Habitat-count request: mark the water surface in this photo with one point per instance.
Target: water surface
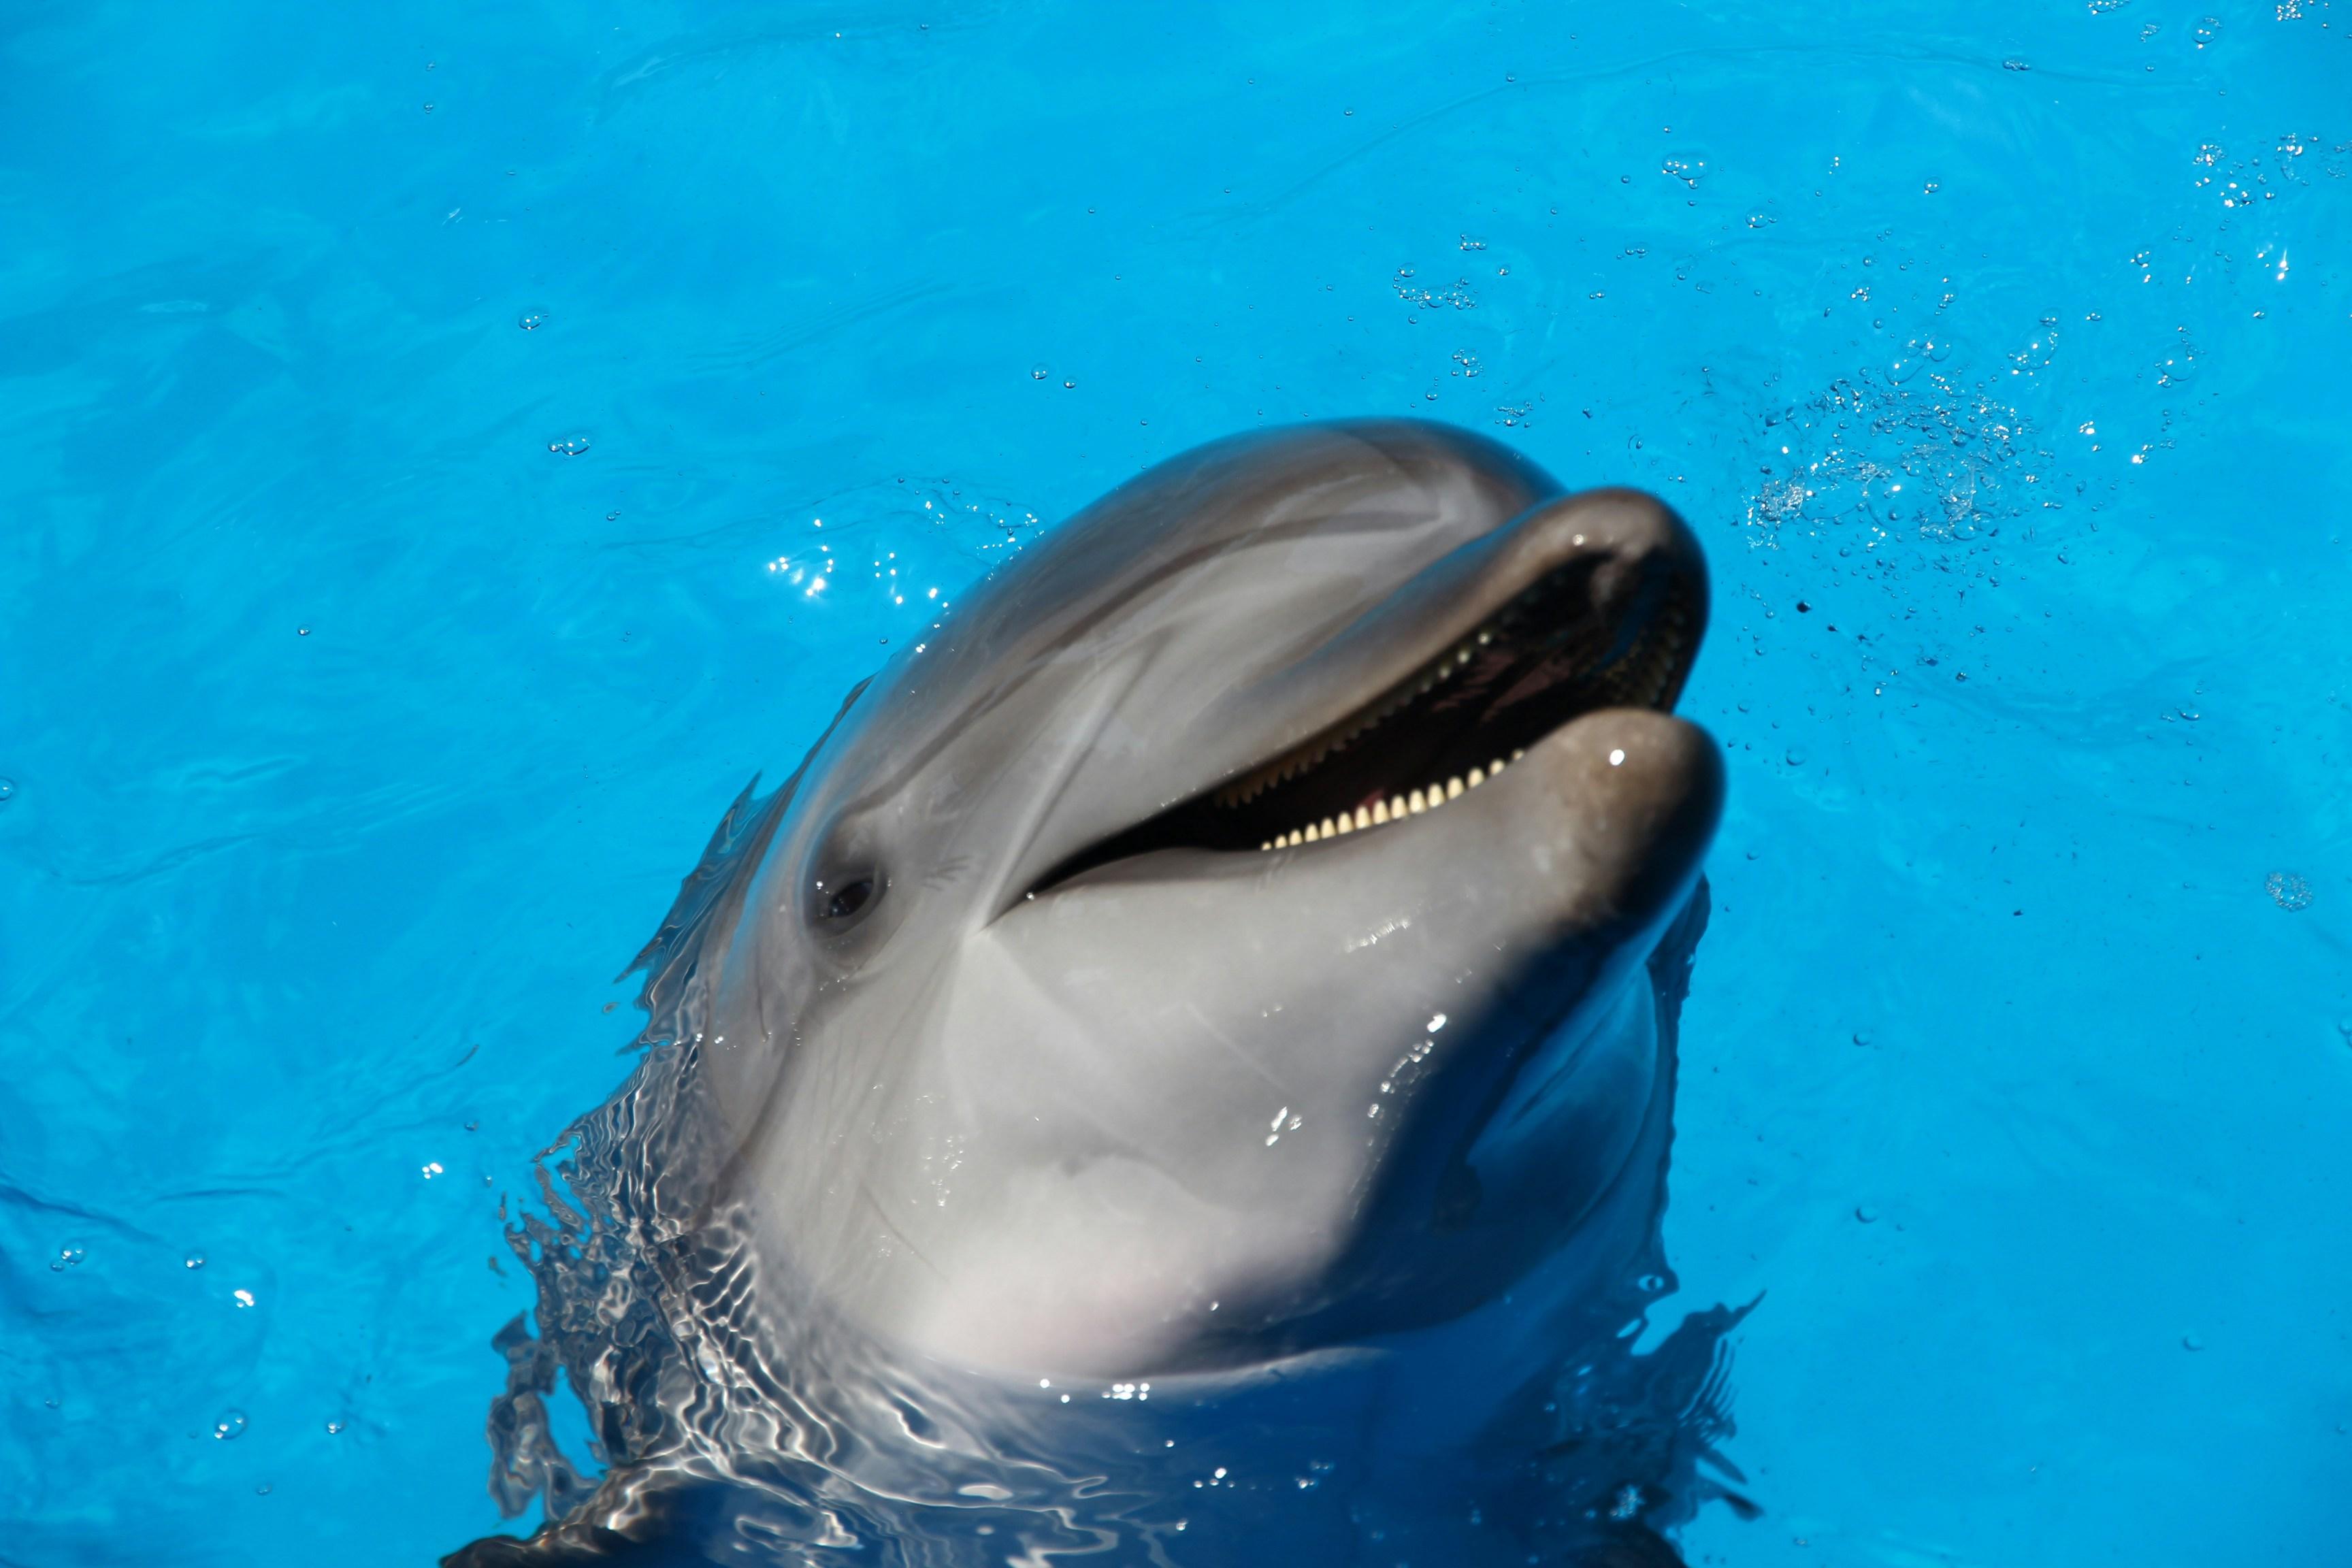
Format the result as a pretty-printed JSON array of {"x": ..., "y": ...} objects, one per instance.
[{"x": 422, "y": 433}]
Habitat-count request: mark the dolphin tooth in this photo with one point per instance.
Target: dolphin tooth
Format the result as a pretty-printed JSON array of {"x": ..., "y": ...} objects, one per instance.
[
  {"x": 1380, "y": 812},
  {"x": 1311, "y": 835},
  {"x": 1454, "y": 787},
  {"x": 1485, "y": 637},
  {"x": 1396, "y": 806},
  {"x": 1363, "y": 818},
  {"x": 1493, "y": 767},
  {"x": 1346, "y": 823},
  {"x": 1477, "y": 777},
  {"x": 1519, "y": 753},
  {"x": 1417, "y": 803},
  {"x": 1264, "y": 846},
  {"x": 1329, "y": 831}
]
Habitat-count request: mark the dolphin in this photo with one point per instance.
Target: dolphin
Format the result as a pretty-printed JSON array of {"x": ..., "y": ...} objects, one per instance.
[{"x": 1213, "y": 995}]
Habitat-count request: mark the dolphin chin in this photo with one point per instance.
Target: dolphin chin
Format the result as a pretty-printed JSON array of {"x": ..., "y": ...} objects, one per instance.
[{"x": 1217, "y": 994}]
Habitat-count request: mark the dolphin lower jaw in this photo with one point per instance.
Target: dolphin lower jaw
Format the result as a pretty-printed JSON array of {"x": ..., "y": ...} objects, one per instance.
[{"x": 1588, "y": 603}]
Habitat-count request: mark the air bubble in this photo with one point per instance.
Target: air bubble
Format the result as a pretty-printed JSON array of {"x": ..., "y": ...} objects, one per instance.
[
  {"x": 569, "y": 446},
  {"x": 192, "y": 1260},
  {"x": 2287, "y": 890},
  {"x": 1865, "y": 1213},
  {"x": 230, "y": 1427},
  {"x": 1038, "y": 373},
  {"x": 68, "y": 1258},
  {"x": 533, "y": 322}
]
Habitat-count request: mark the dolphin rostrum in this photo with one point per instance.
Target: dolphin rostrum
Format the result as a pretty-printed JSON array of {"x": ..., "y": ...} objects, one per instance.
[{"x": 1183, "y": 1072}]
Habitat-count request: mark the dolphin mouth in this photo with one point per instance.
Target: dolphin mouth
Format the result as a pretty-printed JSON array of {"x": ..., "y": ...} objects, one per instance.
[{"x": 1576, "y": 622}]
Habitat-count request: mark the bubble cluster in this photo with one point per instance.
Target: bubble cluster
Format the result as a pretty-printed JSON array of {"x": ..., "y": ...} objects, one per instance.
[
  {"x": 1871, "y": 458},
  {"x": 1458, "y": 297},
  {"x": 2287, "y": 890}
]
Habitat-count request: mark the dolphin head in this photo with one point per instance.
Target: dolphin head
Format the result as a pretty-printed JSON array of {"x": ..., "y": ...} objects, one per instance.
[{"x": 1223, "y": 935}]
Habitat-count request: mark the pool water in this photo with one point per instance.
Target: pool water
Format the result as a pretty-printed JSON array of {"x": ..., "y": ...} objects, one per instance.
[{"x": 446, "y": 453}]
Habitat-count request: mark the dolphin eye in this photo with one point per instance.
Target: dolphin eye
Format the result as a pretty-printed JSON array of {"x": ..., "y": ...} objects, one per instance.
[{"x": 841, "y": 902}]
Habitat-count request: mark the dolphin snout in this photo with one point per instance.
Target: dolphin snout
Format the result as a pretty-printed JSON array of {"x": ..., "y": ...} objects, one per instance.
[{"x": 1627, "y": 800}]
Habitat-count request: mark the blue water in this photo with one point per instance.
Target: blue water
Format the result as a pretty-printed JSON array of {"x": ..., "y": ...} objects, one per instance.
[{"x": 414, "y": 430}]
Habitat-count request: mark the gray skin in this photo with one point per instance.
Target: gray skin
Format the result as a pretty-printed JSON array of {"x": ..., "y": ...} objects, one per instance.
[
  {"x": 1038, "y": 1135},
  {"x": 1200, "y": 1109}
]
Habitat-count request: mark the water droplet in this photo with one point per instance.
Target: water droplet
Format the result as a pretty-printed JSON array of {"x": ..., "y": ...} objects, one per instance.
[
  {"x": 569, "y": 446},
  {"x": 2287, "y": 890},
  {"x": 2192, "y": 1341},
  {"x": 8, "y": 791},
  {"x": 1038, "y": 373},
  {"x": 1862, "y": 1037},
  {"x": 1865, "y": 1213},
  {"x": 2015, "y": 65},
  {"x": 230, "y": 1427},
  {"x": 68, "y": 1258},
  {"x": 1069, "y": 386},
  {"x": 533, "y": 321},
  {"x": 261, "y": 1490},
  {"x": 192, "y": 1260},
  {"x": 1796, "y": 756},
  {"x": 334, "y": 1428}
]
